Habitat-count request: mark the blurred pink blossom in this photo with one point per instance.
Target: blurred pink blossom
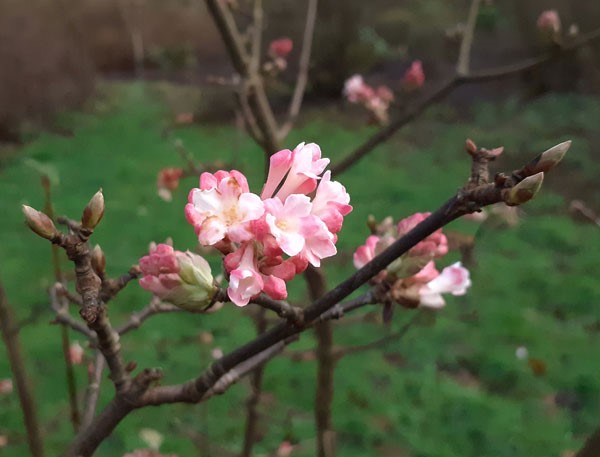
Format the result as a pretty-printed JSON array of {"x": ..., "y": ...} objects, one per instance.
[
  {"x": 6, "y": 386},
  {"x": 414, "y": 78},
  {"x": 549, "y": 22},
  {"x": 168, "y": 181},
  {"x": 76, "y": 353},
  {"x": 454, "y": 280},
  {"x": 281, "y": 47}
]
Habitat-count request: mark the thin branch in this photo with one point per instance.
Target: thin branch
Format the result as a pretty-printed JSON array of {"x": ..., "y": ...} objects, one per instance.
[
  {"x": 283, "y": 309},
  {"x": 257, "y": 30},
  {"x": 392, "y": 337},
  {"x": 591, "y": 447},
  {"x": 464, "y": 57},
  {"x": 136, "y": 319},
  {"x": 256, "y": 381},
  {"x": 10, "y": 335},
  {"x": 93, "y": 391},
  {"x": 303, "y": 67},
  {"x": 448, "y": 87},
  {"x": 62, "y": 313}
]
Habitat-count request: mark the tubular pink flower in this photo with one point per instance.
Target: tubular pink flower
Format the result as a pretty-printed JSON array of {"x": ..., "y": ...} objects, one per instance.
[
  {"x": 330, "y": 203},
  {"x": 306, "y": 166},
  {"x": 245, "y": 281},
  {"x": 454, "y": 280},
  {"x": 279, "y": 165},
  {"x": 365, "y": 253},
  {"x": 285, "y": 221},
  {"x": 414, "y": 78},
  {"x": 223, "y": 207},
  {"x": 426, "y": 274}
]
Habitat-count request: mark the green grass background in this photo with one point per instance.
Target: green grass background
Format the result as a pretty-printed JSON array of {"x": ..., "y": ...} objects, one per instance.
[{"x": 451, "y": 387}]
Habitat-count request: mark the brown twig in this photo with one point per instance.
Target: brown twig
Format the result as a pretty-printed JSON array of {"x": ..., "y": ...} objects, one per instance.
[
  {"x": 464, "y": 57},
  {"x": 154, "y": 307},
  {"x": 93, "y": 391},
  {"x": 283, "y": 309},
  {"x": 303, "y": 67},
  {"x": 326, "y": 438},
  {"x": 10, "y": 335},
  {"x": 591, "y": 447},
  {"x": 256, "y": 381}
]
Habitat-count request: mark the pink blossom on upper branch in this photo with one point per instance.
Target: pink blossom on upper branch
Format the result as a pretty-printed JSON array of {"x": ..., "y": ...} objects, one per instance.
[
  {"x": 356, "y": 90},
  {"x": 414, "y": 78},
  {"x": 549, "y": 22},
  {"x": 76, "y": 353},
  {"x": 377, "y": 101},
  {"x": 6, "y": 386},
  {"x": 181, "y": 278},
  {"x": 281, "y": 47}
]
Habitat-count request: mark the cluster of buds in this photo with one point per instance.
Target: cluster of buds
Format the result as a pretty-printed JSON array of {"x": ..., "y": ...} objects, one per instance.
[
  {"x": 376, "y": 101},
  {"x": 414, "y": 77},
  {"x": 413, "y": 280},
  {"x": 168, "y": 181},
  {"x": 268, "y": 239},
  {"x": 279, "y": 51},
  {"x": 181, "y": 278}
]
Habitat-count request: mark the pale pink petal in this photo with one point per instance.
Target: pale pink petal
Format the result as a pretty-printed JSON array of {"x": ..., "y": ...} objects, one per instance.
[
  {"x": 211, "y": 231},
  {"x": 279, "y": 165}
]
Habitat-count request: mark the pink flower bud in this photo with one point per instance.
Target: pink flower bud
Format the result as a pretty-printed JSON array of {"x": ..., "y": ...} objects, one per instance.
[
  {"x": 434, "y": 246},
  {"x": 356, "y": 90},
  {"x": 6, "y": 386},
  {"x": 414, "y": 78},
  {"x": 281, "y": 47},
  {"x": 76, "y": 353},
  {"x": 181, "y": 278},
  {"x": 93, "y": 212},
  {"x": 549, "y": 22},
  {"x": 39, "y": 223},
  {"x": 285, "y": 449}
]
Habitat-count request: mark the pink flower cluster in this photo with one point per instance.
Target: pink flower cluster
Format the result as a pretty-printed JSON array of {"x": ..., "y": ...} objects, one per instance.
[
  {"x": 413, "y": 278},
  {"x": 168, "y": 181},
  {"x": 377, "y": 101},
  {"x": 414, "y": 78},
  {"x": 279, "y": 51},
  {"x": 268, "y": 239}
]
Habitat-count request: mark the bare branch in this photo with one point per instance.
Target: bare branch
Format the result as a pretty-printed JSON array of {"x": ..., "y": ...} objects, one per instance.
[
  {"x": 93, "y": 391},
  {"x": 302, "y": 79},
  {"x": 464, "y": 57},
  {"x": 136, "y": 319},
  {"x": 283, "y": 309},
  {"x": 10, "y": 335}
]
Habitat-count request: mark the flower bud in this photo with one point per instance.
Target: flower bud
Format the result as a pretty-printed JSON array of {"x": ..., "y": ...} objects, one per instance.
[
  {"x": 470, "y": 146},
  {"x": 98, "y": 260},
  {"x": 93, "y": 212},
  {"x": 547, "y": 160},
  {"x": 181, "y": 278},
  {"x": 39, "y": 223},
  {"x": 524, "y": 191}
]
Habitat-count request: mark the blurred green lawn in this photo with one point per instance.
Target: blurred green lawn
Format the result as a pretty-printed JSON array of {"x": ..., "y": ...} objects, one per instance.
[{"x": 452, "y": 387}]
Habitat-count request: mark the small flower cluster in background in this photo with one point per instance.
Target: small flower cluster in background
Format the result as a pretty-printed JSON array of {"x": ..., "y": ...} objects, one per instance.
[
  {"x": 278, "y": 53},
  {"x": 378, "y": 100},
  {"x": 413, "y": 278}
]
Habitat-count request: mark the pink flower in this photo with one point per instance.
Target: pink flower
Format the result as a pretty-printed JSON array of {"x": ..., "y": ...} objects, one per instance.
[
  {"x": 294, "y": 172},
  {"x": 181, "y": 278},
  {"x": 319, "y": 241},
  {"x": 549, "y": 22},
  {"x": 365, "y": 253},
  {"x": 426, "y": 274},
  {"x": 6, "y": 386},
  {"x": 414, "y": 78},
  {"x": 356, "y": 90},
  {"x": 168, "y": 181},
  {"x": 76, "y": 353},
  {"x": 330, "y": 203},
  {"x": 184, "y": 118},
  {"x": 454, "y": 280},
  {"x": 223, "y": 207},
  {"x": 385, "y": 94},
  {"x": 285, "y": 449},
  {"x": 245, "y": 281},
  {"x": 281, "y": 47},
  {"x": 434, "y": 246},
  {"x": 285, "y": 221}
]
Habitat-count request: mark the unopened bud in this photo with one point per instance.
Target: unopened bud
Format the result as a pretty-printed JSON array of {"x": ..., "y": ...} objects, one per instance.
[
  {"x": 93, "y": 212},
  {"x": 39, "y": 223},
  {"x": 524, "y": 191},
  {"x": 547, "y": 160},
  {"x": 470, "y": 146},
  {"x": 372, "y": 223},
  {"x": 98, "y": 260}
]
